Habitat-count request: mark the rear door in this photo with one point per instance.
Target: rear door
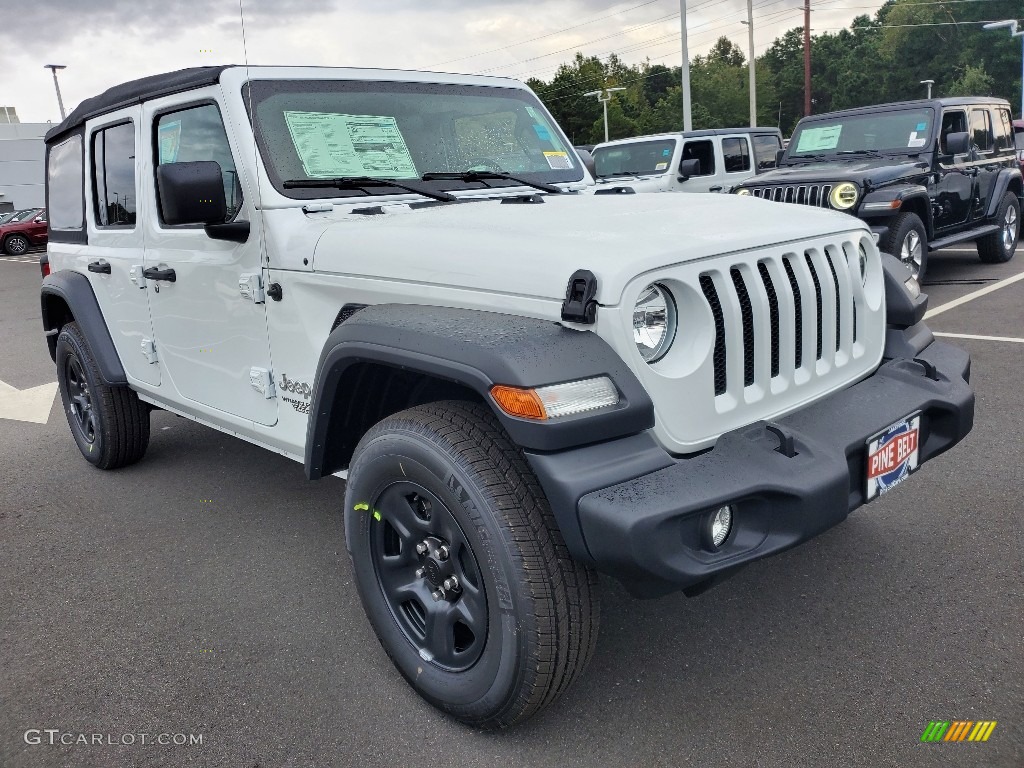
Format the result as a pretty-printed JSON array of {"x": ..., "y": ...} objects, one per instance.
[
  {"x": 987, "y": 162},
  {"x": 737, "y": 160}
]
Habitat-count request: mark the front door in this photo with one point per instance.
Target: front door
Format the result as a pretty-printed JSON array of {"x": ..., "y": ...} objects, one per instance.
[
  {"x": 211, "y": 342},
  {"x": 952, "y": 184},
  {"x": 708, "y": 178}
]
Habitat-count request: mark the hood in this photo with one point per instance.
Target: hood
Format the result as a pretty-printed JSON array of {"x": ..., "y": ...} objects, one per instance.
[
  {"x": 531, "y": 250},
  {"x": 874, "y": 170}
]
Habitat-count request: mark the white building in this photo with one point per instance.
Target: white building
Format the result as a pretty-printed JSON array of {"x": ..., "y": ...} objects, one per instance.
[{"x": 22, "y": 162}]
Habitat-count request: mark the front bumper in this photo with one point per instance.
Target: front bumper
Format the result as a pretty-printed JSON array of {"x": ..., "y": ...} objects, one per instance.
[{"x": 647, "y": 530}]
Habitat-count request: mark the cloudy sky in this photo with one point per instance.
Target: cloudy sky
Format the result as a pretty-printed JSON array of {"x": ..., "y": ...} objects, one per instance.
[{"x": 105, "y": 42}]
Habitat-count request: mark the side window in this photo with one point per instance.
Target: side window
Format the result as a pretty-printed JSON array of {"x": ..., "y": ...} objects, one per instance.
[
  {"x": 64, "y": 185},
  {"x": 704, "y": 151},
  {"x": 765, "y": 149},
  {"x": 952, "y": 122},
  {"x": 736, "y": 154},
  {"x": 197, "y": 133},
  {"x": 113, "y": 175},
  {"x": 981, "y": 130},
  {"x": 1003, "y": 129}
]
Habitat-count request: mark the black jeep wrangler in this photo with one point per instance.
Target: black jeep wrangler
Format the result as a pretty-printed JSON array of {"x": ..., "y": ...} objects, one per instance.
[{"x": 923, "y": 174}]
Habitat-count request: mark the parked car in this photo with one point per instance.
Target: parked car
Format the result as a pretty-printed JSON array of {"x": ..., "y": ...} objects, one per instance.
[
  {"x": 693, "y": 161},
  {"x": 522, "y": 386},
  {"x": 924, "y": 174},
  {"x": 24, "y": 230},
  {"x": 1018, "y": 141}
]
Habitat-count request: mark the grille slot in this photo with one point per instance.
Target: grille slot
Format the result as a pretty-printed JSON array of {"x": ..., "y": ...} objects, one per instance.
[
  {"x": 817, "y": 296},
  {"x": 835, "y": 282},
  {"x": 747, "y": 312},
  {"x": 707, "y": 285},
  {"x": 798, "y": 311},
  {"x": 773, "y": 313}
]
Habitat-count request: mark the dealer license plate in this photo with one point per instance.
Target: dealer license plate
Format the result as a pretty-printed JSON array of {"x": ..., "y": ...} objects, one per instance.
[{"x": 892, "y": 456}]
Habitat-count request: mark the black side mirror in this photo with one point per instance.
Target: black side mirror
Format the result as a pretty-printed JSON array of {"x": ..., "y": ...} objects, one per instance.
[
  {"x": 688, "y": 168},
  {"x": 191, "y": 193},
  {"x": 958, "y": 143},
  {"x": 588, "y": 161},
  {"x": 779, "y": 154}
]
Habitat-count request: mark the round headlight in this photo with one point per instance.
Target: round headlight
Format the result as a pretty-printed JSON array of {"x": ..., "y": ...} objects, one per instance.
[
  {"x": 654, "y": 322},
  {"x": 742, "y": 191},
  {"x": 843, "y": 196}
]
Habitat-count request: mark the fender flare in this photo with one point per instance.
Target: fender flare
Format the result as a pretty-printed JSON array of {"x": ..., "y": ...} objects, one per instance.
[
  {"x": 1002, "y": 184},
  {"x": 476, "y": 350},
  {"x": 74, "y": 289},
  {"x": 902, "y": 192}
]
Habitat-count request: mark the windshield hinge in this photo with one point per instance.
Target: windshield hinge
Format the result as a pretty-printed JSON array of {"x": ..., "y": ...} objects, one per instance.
[
  {"x": 250, "y": 287},
  {"x": 580, "y": 306}
]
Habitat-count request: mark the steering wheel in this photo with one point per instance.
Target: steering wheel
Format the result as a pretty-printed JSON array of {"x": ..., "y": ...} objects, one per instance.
[{"x": 484, "y": 164}]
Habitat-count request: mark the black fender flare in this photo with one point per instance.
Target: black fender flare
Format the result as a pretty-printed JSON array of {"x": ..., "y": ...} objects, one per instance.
[
  {"x": 475, "y": 349},
  {"x": 74, "y": 289},
  {"x": 1003, "y": 180},
  {"x": 903, "y": 193}
]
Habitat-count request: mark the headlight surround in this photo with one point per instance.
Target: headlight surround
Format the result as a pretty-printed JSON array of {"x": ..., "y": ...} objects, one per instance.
[
  {"x": 742, "y": 191},
  {"x": 654, "y": 322},
  {"x": 844, "y": 196}
]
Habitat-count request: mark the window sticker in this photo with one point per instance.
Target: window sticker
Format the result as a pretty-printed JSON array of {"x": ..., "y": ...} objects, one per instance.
[
  {"x": 533, "y": 113},
  {"x": 666, "y": 152},
  {"x": 169, "y": 141},
  {"x": 661, "y": 166},
  {"x": 915, "y": 141},
  {"x": 922, "y": 127},
  {"x": 542, "y": 133},
  {"x": 558, "y": 161},
  {"x": 816, "y": 139},
  {"x": 330, "y": 144}
]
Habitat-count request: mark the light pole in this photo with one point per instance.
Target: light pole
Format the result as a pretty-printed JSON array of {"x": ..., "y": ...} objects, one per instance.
[
  {"x": 929, "y": 84},
  {"x": 1014, "y": 32},
  {"x": 604, "y": 96},
  {"x": 753, "y": 79},
  {"x": 687, "y": 113},
  {"x": 60, "y": 102}
]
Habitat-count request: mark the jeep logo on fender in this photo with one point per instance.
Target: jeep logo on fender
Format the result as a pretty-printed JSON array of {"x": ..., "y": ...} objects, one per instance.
[{"x": 298, "y": 387}]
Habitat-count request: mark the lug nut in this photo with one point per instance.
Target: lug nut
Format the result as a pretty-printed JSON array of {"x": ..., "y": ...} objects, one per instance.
[
  {"x": 421, "y": 548},
  {"x": 442, "y": 552},
  {"x": 438, "y": 595},
  {"x": 420, "y": 573},
  {"x": 451, "y": 583}
]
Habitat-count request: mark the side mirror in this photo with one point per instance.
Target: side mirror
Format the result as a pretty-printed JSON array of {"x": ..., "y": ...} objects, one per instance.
[
  {"x": 958, "y": 143},
  {"x": 191, "y": 193},
  {"x": 688, "y": 168},
  {"x": 588, "y": 161},
  {"x": 779, "y": 154}
]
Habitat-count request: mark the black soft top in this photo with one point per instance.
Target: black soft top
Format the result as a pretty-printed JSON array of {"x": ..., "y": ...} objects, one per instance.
[{"x": 136, "y": 92}]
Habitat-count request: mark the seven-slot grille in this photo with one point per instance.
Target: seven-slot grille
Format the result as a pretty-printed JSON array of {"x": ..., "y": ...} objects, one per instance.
[
  {"x": 783, "y": 314},
  {"x": 801, "y": 194}
]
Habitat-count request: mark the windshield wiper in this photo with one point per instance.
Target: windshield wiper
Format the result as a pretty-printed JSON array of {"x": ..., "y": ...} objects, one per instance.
[
  {"x": 866, "y": 152},
  {"x": 806, "y": 157},
  {"x": 362, "y": 182},
  {"x": 486, "y": 175}
]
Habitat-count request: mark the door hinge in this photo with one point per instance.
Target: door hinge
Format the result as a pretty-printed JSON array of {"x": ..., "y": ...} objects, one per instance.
[
  {"x": 149, "y": 350},
  {"x": 250, "y": 286},
  {"x": 262, "y": 381},
  {"x": 135, "y": 275}
]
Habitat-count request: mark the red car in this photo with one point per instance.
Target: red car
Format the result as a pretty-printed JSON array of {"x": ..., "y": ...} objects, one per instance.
[
  {"x": 1018, "y": 140},
  {"x": 26, "y": 229}
]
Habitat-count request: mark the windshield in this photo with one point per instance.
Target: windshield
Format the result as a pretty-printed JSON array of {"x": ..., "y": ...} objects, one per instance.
[
  {"x": 901, "y": 130},
  {"x": 23, "y": 215},
  {"x": 635, "y": 158},
  {"x": 332, "y": 129}
]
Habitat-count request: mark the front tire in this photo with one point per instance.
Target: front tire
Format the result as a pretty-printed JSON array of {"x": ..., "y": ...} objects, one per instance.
[
  {"x": 109, "y": 424},
  {"x": 461, "y": 567},
  {"x": 16, "y": 245},
  {"x": 908, "y": 241},
  {"x": 999, "y": 247}
]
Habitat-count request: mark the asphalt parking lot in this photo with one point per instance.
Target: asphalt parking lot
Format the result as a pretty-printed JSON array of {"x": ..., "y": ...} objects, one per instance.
[{"x": 207, "y": 591}]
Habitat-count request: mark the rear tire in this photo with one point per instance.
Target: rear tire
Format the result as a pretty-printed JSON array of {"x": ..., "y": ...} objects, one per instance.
[
  {"x": 16, "y": 245},
  {"x": 908, "y": 241},
  {"x": 999, "y": 247},
  {"x": 521, "y": 624},
  {"x": 109, "y": 424}
]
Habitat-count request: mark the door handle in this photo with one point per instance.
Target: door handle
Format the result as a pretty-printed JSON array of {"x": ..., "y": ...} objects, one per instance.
[
  {"x": 100, "y": 267},
  {"x": 153, "y": 273},
  {"x": 714, "y": 189}
]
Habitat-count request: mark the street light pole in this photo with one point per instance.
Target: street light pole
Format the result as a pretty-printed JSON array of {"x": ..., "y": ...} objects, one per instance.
[
  {"x": 1014, "y": 32},
  {"x": 687, "y": 113},
  {"x": 60, "y": 102},
  {"x": 929, "y": 84},
  {"x": 753, "y": 79},
  {"x": 604, "y": 96}
]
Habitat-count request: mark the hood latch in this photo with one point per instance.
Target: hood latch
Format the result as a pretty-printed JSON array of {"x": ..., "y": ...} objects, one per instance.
[{"x": 580, "y": 306}]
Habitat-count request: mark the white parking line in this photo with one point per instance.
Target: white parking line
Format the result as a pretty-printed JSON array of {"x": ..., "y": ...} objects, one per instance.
[
  {"x": 973, "y": 295},
  {"x": 978, "y": 338}
]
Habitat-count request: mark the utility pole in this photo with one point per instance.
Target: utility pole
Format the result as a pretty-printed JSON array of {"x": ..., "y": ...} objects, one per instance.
[
  {"x": 687, "y": 113},
  {"x": 604, "y": 96},
  {"x": 753, "y": 79},
  {"x": 807, "y": 57},
  {"x": 60, "y": 102},
  {"x": 1015, "y": 31}
]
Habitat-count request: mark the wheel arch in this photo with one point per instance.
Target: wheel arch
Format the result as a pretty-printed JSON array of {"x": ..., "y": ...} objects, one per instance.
[
  {"x": 386, "y": 358},
  {"x": 67, "y": 296},
  {"x": 1009, "y": 180}
]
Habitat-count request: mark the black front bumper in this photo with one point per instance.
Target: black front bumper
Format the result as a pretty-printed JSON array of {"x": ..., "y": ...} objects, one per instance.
[{"x": 648, "y": 529}]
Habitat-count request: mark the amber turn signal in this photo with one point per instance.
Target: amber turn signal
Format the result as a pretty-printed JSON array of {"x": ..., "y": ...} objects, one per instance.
[{"x": 523, "y": 403}]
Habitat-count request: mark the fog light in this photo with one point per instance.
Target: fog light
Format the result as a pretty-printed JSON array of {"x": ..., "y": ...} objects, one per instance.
[{"x": 721, "y": 526}]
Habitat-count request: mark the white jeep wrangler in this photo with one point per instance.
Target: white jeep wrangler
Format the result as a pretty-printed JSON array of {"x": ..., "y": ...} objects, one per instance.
[{"x": 392, "y": 276}]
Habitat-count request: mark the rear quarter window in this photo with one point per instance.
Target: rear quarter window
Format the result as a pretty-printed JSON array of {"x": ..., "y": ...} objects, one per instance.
[{"x": 64, "y": 186}]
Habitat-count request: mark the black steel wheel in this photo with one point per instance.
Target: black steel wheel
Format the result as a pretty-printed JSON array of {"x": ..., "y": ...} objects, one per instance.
[
  {"x": 461, "y": 568},
  {"x": 109, "y": 423}
]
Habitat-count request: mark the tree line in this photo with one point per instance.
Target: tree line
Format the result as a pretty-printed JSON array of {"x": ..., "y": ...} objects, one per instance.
[{"x": 876, "y": 60}]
